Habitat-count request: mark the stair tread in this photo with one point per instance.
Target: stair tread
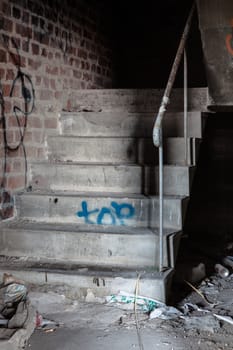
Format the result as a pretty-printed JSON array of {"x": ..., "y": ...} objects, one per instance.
[
  {"x": 60, "y": 163},
  {"x": 22, "y": 224},
  {"x": 120, "y": 195}
]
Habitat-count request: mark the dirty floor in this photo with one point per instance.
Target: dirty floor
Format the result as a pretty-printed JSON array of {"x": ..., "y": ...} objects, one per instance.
[{"x": 91, "y": 325}]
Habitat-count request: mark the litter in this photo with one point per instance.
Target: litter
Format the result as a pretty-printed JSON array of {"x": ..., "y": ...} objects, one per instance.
[
  {"x": 165, "y": 313},
  {"x": 228, "y": 261},
  {"x": 45, "y": 324},
  {"x": 224, "y": 318},
  {"x": 221, "y": 270},
  {"x": 144, "y": 304}
]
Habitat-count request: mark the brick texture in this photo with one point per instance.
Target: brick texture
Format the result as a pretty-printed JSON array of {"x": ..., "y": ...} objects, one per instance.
[{"x": 62, "y": 45}]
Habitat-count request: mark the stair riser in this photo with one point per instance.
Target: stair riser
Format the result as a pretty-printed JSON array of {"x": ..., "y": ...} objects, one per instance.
[
  {"x": 78, "y": 285},
  {"x": 115, "y": 124},
  {"x": 119, "y": 150},
  {"x": 110, "y": 178},
  {"x": 133, "y": 212},
  {"x": 100, "y": 249},
  {"x": 137, "y": 100}
]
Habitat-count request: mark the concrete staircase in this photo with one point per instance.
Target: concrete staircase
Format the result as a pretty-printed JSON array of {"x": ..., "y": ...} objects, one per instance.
[{"x": 90, "y": 217}]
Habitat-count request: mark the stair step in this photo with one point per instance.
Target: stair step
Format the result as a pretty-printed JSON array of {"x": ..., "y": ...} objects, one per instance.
[
  {"x": 134, "y": 100},
  {"x": 81, "y": 279},
  {"x": 123, "y": 124},
  {"x": 96, "y": 208},
  {"x": 119, "y": 150},
  {"x": 110, "y": 178},
  {"x": 118, "y": 246}
]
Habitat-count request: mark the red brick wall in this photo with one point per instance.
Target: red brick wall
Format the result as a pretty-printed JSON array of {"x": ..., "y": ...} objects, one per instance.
[{"x": 62, "y": 45}]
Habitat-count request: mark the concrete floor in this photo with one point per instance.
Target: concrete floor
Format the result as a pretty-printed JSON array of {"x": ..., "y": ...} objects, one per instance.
[{"x": 87, "y": 326}]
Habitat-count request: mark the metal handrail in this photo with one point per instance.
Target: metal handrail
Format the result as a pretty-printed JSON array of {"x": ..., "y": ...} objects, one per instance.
[{"x": 157, "y": 129}]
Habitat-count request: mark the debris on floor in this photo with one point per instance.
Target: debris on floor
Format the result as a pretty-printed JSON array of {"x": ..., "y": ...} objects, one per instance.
[{"x": 144, "y": 304}]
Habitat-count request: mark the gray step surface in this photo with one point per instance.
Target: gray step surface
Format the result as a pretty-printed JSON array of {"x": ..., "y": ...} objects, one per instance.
[
  {"x": 97, "y": 208},
  {"x": 136, "y": 100},
  {"x": 123, "y": 124},
  {"x": 122, "y": 150},
  {"x": 80, "y": 279},
  {"x": 85, "y": 244},
  {"x": 110, "y": 178}
]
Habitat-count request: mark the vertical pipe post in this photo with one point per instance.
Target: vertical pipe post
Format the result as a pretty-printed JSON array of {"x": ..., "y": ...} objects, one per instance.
[
  {"x": 161, "y": 202},
  {"x": 186, "y": 107}
]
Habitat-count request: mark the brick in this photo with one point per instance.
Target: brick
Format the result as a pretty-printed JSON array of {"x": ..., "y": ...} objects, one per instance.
[
  {"x": 50, "y": 123},
  {"x": 18, "y": 166},
  {"x": 44, "y": 52},
  {"x": 46, "y": 82},
  {"x": 8, "y": 106},
  {"x": 58, "y": 55},
  {"x": 16, "y": 182},
  {"x": 58, "y": 95},
  {"x": 31, "y": 151},
  {"x": 10, "y": 136},
  {"x": 92, "y": 56},
  {"x": 25, "y": 17},
  {"x": 16, "y": 42},
  {"x": 28, "y": 136},
  {"x": 34, "y": 64},
  {"x": 12, "y": 121},
  {"x": 25, "y": 45},
  {"x": 82, "y": 53},
  {"x": 41, "y": 37},
  {"x": 50, "y": 55},
  {"x": 23, "y": 30},
  {"x": 3, "y": 56},
  {"x": 53, "y": 84},
  {"x": 45, "y": 94},
  {"x": 6, "y": 8},
  {"x": 8, "y": 25},
  {"x": 52, "y": 70},
  {"x": 37, "y": 136},
  {"x": 35, "y": 49},
  {"x": 87, "y": 34},
  {"x": 34, "y": 122},
  {"x": 6, "y": 89},
  {"x": 10, "y": 74},
  {"x": 35, "y": 21},
  {"x": 77, "y": 74},
  {"x": 16, "y": 12},
  {"x": 2, "y": 73},
  {"x": 87, "y": 76},
  {"x": 38, "y": 80}
]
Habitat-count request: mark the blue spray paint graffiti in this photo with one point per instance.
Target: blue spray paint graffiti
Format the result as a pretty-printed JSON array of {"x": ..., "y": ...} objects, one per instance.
[{"x": 117, "y": 214}]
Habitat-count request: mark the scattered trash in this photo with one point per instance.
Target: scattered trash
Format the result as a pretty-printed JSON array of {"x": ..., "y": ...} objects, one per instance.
[
  {"x": 224, "y": 318},
  {"x": 189, "y": 308},
  {"x": 145, "y": 304},
  {"x": 228, "y": 261},
  {"x": 45, "y": 324},
  {"x": 221, "y": 270},
  {"x": 165, "y": 313}
]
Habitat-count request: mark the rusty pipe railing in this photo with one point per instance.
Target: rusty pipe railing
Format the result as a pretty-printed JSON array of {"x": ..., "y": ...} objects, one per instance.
[{"x": 157, "y": 130}]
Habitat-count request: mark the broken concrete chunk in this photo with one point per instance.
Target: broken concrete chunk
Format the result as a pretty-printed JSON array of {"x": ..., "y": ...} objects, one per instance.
[{"x": 206, "y": 323}]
